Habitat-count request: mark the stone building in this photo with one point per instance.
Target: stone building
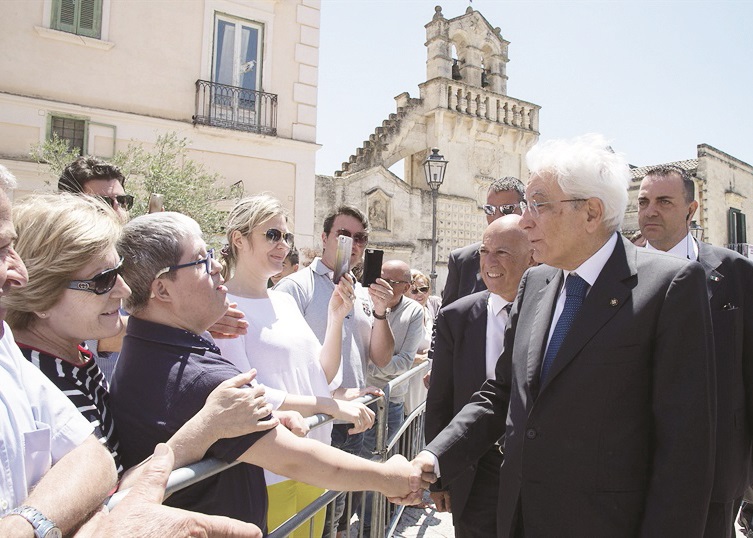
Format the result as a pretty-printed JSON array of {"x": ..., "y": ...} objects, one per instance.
[
  {"x": 464, "y": 110},
  {"x": 237, "y": 78},
  {"x": 724, "y": 190}
]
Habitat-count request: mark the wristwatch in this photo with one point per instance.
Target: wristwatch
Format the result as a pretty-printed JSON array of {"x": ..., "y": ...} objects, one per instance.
[
  {"x": 43, "y": 527},
  {"x": 384, "y": 316}
]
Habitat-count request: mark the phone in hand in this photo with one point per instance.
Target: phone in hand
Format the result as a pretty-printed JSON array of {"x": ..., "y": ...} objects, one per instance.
[
  {"x": 372, "y": 266},
  {"x": 156, "y": 203},
  {"x": 342, "y": 257}
]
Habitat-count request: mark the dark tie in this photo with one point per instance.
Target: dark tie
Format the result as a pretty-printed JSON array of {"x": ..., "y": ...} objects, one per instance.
[
  {"x": 507, "y": 308},
  {"x": 575, "y": 291}
]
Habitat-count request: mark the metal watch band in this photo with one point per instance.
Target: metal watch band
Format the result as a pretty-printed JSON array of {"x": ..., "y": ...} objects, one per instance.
[{"x": 43, "y": 527}]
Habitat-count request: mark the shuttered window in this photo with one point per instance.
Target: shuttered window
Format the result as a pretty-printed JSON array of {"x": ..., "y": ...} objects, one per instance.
[{"x": 82, "y": 17}]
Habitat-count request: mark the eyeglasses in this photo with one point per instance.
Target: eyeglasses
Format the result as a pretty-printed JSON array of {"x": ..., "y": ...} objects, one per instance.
[
  {"x": 274, "y": 235},
  {"x": 124, "y": 200},
  {"x": 359, "y": 237},
  {"x": 422, "y": 289},
  {"x": 206, "y": 261},
  {"x": 507, "y": 209},
  {"x": 396, "y": 282},
  {"x": 99, "y": 284},
  {"x": 533, "y": 206}
]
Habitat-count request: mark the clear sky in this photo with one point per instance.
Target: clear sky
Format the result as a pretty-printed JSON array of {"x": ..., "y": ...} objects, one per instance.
[{"x": 656, "y": 77}]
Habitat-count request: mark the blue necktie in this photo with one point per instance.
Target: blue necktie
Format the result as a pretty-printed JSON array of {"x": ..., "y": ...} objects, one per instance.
[{"x": 575, "y": 292}]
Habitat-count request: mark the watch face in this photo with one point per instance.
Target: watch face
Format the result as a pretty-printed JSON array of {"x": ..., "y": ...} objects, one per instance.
[{"x": 53, "y": 533}]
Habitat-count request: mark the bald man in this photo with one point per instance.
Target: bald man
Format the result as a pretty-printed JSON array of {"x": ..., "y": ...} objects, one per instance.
[{"x": 468, "y": 342}]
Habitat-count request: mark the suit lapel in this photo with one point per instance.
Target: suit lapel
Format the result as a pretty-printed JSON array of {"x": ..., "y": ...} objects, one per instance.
[
  {"x": 609, "y": 293},
  {"x": 710, "y": 261},
  {"x": 476, "y": 337},
  {"x": 546, "y": 298}
]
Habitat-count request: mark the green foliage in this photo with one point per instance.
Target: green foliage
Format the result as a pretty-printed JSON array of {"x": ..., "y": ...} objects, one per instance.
[
  {"x": 186, "y": 185},
  {"x": 55, "y": 153}
]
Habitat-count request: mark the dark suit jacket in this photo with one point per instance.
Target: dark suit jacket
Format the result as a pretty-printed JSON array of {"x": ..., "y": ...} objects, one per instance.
[
  {"x": 463, "y": 276},
  {"x": 457, "y": 373},
  {"x": 618, "y": 441},
  {"x": 729, "y": 279}
]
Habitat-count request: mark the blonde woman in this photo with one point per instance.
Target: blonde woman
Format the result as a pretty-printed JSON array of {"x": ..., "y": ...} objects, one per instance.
[
  {"x": 299, "y": 373},
  {"x": 420, "y": 290}
]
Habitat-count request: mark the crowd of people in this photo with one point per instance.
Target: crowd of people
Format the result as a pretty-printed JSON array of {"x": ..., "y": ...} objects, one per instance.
[{"x": 580, "y": 384}]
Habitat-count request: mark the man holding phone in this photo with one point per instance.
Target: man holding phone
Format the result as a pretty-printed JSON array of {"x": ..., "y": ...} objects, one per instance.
[{"x": 366, "y": 331}]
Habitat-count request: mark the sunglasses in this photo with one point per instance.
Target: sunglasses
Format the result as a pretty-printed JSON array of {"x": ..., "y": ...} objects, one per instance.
[
  {"x": 206, "y": 261},
  {"x": 124, "y": 200},
  {"x": 359, "y": 237},
  {"x": 422, "y": 289},
  {"x": 99, "y": 284},
  {"x": 274, "y": 235},
  {"x": 507, "y": 209}
]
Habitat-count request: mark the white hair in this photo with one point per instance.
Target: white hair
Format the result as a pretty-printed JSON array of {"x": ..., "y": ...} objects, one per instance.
[
  {"x": 586, "y": 167},
  {"x": 7, "y": 180}
]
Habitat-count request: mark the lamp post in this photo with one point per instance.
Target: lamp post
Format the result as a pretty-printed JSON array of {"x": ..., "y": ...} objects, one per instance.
[
  {"x": 696, "y": 231},
  {"x": 434, "y": 168}
]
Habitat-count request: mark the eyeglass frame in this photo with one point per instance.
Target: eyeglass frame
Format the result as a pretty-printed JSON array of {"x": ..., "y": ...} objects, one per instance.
[
  {"x": 206, "y": 261},
  {"x": 421, "y": 289},
  {"x": 395, "y": 282},
  {"x": 128, "y": 199},
  {"x": 533, "y": 205},
  {"x": 359, "y": 237},
  {"x": 287, "y": 237},
  {"x": 90, "y": 283},
  {"x": 504, "y": 209}
]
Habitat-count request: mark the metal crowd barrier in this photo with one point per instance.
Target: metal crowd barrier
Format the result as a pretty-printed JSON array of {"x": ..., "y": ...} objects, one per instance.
[{"x": 408, "y": 441}]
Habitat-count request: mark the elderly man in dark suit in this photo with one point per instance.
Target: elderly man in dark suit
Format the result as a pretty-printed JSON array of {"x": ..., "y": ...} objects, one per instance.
[
  {"x": 666, "y": 203},
  {"x": 463, "y": 278},
  {"x": 468, "y": 342},
  {"x": 606, "y": 378}
]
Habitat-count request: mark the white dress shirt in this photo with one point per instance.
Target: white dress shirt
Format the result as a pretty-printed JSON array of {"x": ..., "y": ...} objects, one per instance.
[
  {"x": 496, "y": 321},
  {"x": 589, "y": 271},
  {"x": 687, "y": 248}
]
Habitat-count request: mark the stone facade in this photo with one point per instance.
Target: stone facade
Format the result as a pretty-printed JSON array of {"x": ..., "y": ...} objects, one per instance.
[
  {"x": 138, "y": 76},
  {"x": 724, "y": 190},
  {"x": 464, "y": 110}
]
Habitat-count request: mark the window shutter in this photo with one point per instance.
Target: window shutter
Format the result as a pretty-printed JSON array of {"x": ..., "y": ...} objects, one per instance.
[
  {"x": 743, "y": 233},
  {"x": 64, "y": 15},
  {"x": 90, "y": 17}
]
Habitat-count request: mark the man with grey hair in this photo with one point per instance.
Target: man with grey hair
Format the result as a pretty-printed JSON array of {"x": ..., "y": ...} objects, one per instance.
[
  {"x": 463, "y": 278},
  {"x": 606, "y": 377},
  {"x": 170, "y": 364}
]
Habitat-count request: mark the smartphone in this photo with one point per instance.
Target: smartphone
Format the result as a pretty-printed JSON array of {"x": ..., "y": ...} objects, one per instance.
[
  {"x": 372, "y": 266},
  {"x": 342, "y": 257},
  {"x": 156, "y": 203}
]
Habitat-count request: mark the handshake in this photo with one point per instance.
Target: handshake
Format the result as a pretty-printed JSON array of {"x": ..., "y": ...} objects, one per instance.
[{"x": 419, "y": 474}]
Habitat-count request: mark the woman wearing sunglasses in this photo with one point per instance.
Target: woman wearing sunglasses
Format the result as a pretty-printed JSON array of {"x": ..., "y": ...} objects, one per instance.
[
  {"x": 299, "y": 373},
  {"x": 74, "y": 293},
  {"x": 419, "y": 291}
]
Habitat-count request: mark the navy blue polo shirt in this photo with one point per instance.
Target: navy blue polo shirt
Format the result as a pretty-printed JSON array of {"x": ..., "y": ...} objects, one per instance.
[{"x": 163, "y": 378}]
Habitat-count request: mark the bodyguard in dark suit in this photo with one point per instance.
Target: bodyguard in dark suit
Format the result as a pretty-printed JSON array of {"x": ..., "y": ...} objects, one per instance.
[
  {"x": 463, "y": 276},
  {"x": 468, "y": 342},
  {"x": 666, "y": 203},
  {"x": 606, "y": 369}
]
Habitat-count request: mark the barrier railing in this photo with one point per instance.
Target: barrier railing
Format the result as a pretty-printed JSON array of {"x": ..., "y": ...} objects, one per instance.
[{"x": 407, "y": 440}]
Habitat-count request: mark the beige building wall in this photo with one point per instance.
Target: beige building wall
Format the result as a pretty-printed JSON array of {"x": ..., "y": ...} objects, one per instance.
[{"x": 138, "y": 80}]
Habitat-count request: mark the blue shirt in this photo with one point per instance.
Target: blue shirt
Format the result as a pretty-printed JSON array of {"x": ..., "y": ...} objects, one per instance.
[{"x": 164, "y": 377}]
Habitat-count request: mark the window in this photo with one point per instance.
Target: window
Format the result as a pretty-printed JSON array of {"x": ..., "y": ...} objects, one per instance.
[
  {"x": 237, "y": 53},
  {"x": 81, "y": 17},
  {"x": 736, "y": 226},
  {"x": 72, "y": 130}
]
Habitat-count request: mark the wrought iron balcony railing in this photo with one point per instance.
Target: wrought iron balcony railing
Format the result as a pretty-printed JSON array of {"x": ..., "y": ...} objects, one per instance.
[
  {"x": 230, "y": 107},
  {"x": 743, "y": 248}
]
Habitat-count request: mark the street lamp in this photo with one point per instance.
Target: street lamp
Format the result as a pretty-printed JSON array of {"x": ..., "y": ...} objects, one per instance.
[
  {"x": 434, "y": 168},
  {"x": 696, "y": 231}
]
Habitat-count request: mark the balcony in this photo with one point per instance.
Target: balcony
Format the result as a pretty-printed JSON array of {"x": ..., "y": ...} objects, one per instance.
[{"x": 240, "y": 109}]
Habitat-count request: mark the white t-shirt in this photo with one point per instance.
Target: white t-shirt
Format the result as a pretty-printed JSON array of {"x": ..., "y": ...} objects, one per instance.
[
  {"x": 285, "y": 352},
  {"x": 38, "y": 424}
]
